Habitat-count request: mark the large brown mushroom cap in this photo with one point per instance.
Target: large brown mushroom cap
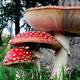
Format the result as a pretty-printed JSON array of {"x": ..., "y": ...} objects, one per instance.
[
  {"x": 33, "y": 36},
  {"x": 54, "y": 18}
]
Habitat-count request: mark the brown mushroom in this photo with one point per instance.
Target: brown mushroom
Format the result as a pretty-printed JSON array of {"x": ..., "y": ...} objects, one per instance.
[{"x": 54, "y": 18}]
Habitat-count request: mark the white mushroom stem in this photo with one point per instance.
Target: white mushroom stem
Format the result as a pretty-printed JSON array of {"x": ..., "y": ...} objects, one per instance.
[{"x": 62, "y": 55}]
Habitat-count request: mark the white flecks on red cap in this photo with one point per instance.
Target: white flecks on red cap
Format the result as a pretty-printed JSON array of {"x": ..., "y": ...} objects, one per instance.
[
  {"x": 33, "y": 36},
  {"x": 17, "y": 55}
]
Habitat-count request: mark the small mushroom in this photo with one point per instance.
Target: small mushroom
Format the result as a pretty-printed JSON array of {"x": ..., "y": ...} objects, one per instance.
[
  {"x": 16, "y": 56},
  {"x": 57, "y": 20}
]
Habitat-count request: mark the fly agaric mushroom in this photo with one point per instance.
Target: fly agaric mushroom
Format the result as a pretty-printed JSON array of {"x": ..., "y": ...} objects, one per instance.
[
  {"x": 59, "y": 20},
  {"x": 16, "y": 56},
  {"x": 35, "y": 37}
]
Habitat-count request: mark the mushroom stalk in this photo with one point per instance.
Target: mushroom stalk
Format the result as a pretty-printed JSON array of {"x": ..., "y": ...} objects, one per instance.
[{"x": 62, "y": 55}]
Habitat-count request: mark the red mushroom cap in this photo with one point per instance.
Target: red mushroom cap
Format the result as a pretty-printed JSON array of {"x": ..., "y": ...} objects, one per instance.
[
  {"x": 36, "y": 37},
  {"x": 17, "y": 55}
]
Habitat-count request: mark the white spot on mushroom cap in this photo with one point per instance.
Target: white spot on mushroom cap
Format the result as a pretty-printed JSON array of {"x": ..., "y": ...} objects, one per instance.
[
  {"x": 14, "y": 59},
  {"x": 16, "y": 49},
  {"x": 18, "y": 58},
  {"x": 20, "y": 54},
  {"x": 14, "y": 54},
  {"x": 25, "y": 59},
  {"x": 27, "y": 52},
  {"x": 27, "y": 47},
  {"x": 21, "y": 49},
  {"x": 5, "y": 60}
]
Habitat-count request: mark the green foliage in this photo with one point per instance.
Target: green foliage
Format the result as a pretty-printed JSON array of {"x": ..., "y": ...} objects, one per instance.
[
  {"x": 3, "y": 19},
  {"x": 63, "y": 74},
  {"x": 3, "y": 51},
  {"x": 33, "y": 3},
  {"x": 73, "y": 75},
  {"x": 4, "y": 47},
  {"x": 28, "y": 72},
  {"x": 7, "y": 74},
  {"x": 11, "y": 9},
  {"x": 5, "y": 39}
]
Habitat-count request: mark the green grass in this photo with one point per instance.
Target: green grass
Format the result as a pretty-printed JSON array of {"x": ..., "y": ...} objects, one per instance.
[
  {"x": 3, "y": 47},
  {"x": 3, "y": 51},
  {"x": 28, "y": 72},
  {"x": 74, "y": 74}
]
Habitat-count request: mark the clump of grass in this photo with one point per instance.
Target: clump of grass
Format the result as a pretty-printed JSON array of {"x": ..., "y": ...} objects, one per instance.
[
  {"x": 4, "y": 40},
  {"x": 74, "y": 74},
  {"x": 7, "y": 74},
  {"x": 62, "y": 75},
  {"x": 4, "y": 46},
  {"x": 28, "y": 72}
]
